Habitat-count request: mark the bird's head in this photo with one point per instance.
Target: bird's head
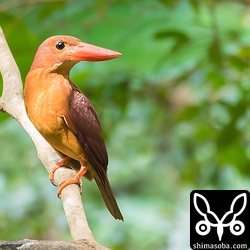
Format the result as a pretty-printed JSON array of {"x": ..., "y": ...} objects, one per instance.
[{"x": 61, "y": 53}]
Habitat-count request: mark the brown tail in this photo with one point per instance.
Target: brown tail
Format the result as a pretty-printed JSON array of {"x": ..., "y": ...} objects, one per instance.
[
  {"x": 108, "y": 197},
  {"x": 103, "y": 184}
]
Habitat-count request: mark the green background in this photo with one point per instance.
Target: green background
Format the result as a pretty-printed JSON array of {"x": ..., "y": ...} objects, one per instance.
[{"x": 174, "y": 111}]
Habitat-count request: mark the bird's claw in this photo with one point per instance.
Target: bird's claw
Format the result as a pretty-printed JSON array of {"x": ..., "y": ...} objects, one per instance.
[
  {"x": 66, "y": 183},
  {"x": 53, "y": 182},
  {"x": 76, "y": 180},
  {"x": 63, "y": 162}
]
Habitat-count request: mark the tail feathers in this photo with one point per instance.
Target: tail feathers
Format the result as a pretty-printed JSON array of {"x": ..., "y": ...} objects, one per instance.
[
  {"x": 103, "y": 184},
  {"x": 108, "y": 197}
]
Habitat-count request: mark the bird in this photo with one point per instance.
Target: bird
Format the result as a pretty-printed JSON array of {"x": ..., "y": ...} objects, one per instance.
[{"x": 65, "y": 117}]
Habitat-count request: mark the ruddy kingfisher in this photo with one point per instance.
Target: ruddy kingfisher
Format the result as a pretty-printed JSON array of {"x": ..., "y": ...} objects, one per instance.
[{"x": 65, "y": 117}]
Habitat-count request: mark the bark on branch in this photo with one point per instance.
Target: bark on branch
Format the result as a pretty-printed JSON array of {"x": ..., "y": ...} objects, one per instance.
[{"x": 12, "y": 102}]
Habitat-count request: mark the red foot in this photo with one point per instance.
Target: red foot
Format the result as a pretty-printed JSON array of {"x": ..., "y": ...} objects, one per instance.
[
  {"x": 75, "y": 180},
  {"x": 63, "y": 162}
]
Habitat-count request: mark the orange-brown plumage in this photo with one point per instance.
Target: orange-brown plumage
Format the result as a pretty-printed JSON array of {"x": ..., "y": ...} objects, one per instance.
[{"x": 63, "y": 114}]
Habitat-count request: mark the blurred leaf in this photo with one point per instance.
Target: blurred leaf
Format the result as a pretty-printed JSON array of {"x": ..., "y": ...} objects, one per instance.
[
  {"x": 180, "y": 38},
  {"x": 216, "y": 78},
  {"x": 215, "y": 53},
  {"x": 245, "y": 53},
  {"x": 46, "y": 9},
  {"x": 205, "y": 132},
  {"x": 238, "y": 63},
  {"x": 195, "y": 4}
]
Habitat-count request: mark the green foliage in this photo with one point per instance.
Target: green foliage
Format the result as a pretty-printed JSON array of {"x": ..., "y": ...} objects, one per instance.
[{"x": 174, "y": 110}]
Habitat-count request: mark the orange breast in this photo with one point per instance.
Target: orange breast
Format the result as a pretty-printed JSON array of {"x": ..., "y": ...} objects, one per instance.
[{"x": 47, "y": 99}]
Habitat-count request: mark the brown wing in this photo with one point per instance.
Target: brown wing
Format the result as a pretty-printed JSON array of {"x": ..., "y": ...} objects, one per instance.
[{"x": 84, "y": 123}]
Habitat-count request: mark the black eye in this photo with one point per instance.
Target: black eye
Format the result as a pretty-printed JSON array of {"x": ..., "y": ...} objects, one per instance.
[{"x": 60, "y": 45}]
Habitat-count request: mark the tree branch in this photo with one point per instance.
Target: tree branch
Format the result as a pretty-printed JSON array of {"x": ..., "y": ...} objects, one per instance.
[{"x": 12, "y": 102}]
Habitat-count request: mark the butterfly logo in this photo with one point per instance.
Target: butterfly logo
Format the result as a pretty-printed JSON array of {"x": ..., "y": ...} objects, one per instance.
[{"x": 210, "y": 219}]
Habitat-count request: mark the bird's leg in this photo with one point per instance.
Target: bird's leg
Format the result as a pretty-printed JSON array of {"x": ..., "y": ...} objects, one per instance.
[
  {"x": 75, "y": 180},
  {"x": 63, "y": 162}
]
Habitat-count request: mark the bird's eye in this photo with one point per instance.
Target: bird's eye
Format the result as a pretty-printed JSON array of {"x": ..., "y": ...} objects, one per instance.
[{"x": 60, "y": 45}]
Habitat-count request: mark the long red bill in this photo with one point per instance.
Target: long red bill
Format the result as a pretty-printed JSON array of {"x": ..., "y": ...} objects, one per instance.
[{"x": 92, "y": 53}]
